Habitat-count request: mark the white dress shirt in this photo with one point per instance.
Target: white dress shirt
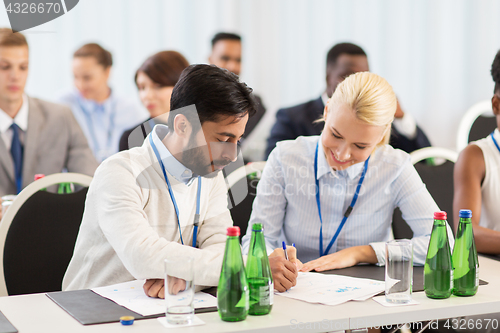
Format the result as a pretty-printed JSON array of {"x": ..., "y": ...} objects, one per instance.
[
  {"x": 286, "y": 201},
  {"x": 130, "y": 226},
  {"x": 21, "y": 119}
]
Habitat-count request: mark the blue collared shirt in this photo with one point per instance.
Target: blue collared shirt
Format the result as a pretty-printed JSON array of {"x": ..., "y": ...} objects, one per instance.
[
  {"x": 172, "y": 165},
  {"x": 286, "y": 201},
  {"x": 104, "y": 123}
]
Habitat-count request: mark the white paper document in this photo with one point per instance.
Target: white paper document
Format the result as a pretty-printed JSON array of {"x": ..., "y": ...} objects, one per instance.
[
  {"x": 332, "y": 289},
  {"x": 131, "y": 295}
]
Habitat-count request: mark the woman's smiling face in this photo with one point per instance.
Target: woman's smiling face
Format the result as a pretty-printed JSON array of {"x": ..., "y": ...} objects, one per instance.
[{"x": 346, "y": 139}]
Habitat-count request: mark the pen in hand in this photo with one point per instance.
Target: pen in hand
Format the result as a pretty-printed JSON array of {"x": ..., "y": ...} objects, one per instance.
[{"x": 284, "y": 249}]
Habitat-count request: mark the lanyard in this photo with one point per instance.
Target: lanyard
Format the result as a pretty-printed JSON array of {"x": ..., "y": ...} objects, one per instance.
[
  {"x": 347, "y": 212},
  {"x": 90, "y": 126},
  {"x": 495, "y": 141},
  {"x": 197, "y": 215}
]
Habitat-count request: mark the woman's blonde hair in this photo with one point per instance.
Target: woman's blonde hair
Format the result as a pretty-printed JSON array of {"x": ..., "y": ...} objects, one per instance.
[{"x": 370, "y": 97}]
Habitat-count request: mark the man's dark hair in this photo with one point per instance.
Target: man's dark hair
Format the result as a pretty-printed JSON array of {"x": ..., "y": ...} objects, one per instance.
[
  {"x": 342, "y": 48},
  {"x": 495, "y": 72},
  {"x": 225, "y": 36},
  {"x": 217, "y": 93}
]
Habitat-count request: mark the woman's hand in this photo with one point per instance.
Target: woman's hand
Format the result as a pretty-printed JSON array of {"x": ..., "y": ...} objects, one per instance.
[{"x": 342, "y": 259}]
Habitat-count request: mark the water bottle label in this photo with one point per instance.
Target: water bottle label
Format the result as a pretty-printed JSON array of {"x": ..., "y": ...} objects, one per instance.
[{"x": 266, "y": 294}]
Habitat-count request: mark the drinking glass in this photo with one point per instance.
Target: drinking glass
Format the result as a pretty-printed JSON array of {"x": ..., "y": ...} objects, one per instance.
[
  {"x": 179, "y": 290},
  {"x": 398, "y": 270}
]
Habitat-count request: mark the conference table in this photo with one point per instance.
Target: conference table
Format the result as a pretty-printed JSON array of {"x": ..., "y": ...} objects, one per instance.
[{"x": 37, "y": 313}]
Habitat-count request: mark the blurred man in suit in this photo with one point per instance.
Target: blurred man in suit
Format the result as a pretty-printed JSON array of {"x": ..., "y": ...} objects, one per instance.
[
  {"x": 36, "y": 137},
  {"x": 226, "y": 53},
  {"x": 342, "y": 60}
]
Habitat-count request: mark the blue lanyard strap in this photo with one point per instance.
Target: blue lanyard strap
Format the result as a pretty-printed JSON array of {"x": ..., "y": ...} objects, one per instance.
[
  {"x": 347, "y": 212},
  {"x": 495, "y": 141},
  {"x": 197, "y": 215}
]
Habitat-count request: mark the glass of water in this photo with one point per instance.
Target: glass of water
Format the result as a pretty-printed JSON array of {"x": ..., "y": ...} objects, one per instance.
[
  {"x": 398, "y": 271},
  {"x": 179, "y": 290}
]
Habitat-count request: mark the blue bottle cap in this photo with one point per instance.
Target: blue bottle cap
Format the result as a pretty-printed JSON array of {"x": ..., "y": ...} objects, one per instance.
[
  {"x": 127, "y": 320},
  {"x": 465, "y": 213}
]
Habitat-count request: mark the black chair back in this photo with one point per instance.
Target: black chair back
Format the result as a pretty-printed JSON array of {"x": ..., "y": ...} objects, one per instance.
[
  {"x": 40, "y": 241},
  {"x": 241, "y": 212},
  {"x": 439, "y": 182},
  {"x": 482, "y": 127}
]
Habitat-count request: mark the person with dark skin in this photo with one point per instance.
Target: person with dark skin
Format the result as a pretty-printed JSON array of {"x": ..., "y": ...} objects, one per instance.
[
  {"x": 477, "y": 180},
  {"x": 342, "y": 60}
]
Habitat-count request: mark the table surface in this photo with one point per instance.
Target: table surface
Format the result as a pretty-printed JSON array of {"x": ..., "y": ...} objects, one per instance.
[{"x": 37, "y": 313}]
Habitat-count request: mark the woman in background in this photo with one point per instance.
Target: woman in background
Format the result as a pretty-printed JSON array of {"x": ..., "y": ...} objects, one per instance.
[
  {"x": 101, "y": 113},
  {"x": 155, "y": 80}
]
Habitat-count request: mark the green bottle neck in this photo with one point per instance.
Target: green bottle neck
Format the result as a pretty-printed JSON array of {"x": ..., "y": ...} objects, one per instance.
[
  {"x": 465, "y": 220},
  {"x": 440, "y": 222},
  {"x": 233, "y": 257},
  {"x": 257, "y": 244}
]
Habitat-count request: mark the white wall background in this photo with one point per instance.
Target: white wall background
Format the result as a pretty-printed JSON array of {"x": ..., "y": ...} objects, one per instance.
[{"x": 436, "y": 54}]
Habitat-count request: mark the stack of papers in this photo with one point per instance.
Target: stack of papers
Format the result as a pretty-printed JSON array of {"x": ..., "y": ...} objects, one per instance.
[
  {"x": 131, "y": 295},
  {"x": 332, "y": 289}
]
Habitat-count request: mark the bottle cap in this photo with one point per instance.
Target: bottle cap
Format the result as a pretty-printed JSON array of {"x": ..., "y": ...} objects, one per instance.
[
  {"x": 127, "y": 320},
  {"x": 440, "y": 216},
  {"x": 233, "y": 231},
  {"x": 465, "y": 213},
  {"x": 257, "y": 227},
  {"x": 39, "y": 175}
]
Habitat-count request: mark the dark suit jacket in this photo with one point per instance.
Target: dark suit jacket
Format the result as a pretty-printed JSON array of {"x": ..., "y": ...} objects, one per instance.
[
  {"x": 54, "y": 141},
  {"x": 299, "y": 121}
]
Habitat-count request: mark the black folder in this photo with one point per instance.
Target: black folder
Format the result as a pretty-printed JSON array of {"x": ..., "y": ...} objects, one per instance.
[
  {"x": 90, "y": 308},
  {"x": 5, "y": 325}
]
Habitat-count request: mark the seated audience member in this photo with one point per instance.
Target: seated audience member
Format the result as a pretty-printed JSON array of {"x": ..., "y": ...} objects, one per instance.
[
  {"x": 131, "y": 222},
  {"x": 226, "y": 53},
  {"x": 102, "y": 114},
  {"x": 155, "y": 80},
  {"x": 36, "y": 136},
  {"x": 477, "y": 187},
  {"x": 477, "y": 180},
  {"x": 342, "y": 60},
  {"x": 309, "y": 184}
]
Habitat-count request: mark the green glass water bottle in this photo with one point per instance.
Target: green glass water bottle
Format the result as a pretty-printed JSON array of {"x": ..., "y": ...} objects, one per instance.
[
  {"x": 232, "y": 291},
  {"x": 438, "y": 270},
  {"x": 465, "y": 262},
  {"x": 259, "y": 276}
]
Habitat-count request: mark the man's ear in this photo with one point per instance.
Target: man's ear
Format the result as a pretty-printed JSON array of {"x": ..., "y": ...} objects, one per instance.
[
  {"x": 182, "y": 126},
  {"x": 495, "y": 103}
]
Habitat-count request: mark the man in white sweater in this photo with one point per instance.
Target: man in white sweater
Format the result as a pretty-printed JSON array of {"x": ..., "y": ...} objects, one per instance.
[{"x": 141, "y": 204}]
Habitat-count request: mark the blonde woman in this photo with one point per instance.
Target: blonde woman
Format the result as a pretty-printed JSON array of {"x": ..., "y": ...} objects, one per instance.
[{"x": 335, "y": 227}]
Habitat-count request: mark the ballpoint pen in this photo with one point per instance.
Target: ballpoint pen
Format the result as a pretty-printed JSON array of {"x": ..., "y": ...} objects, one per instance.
[{"x": 284, "y": 249}]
